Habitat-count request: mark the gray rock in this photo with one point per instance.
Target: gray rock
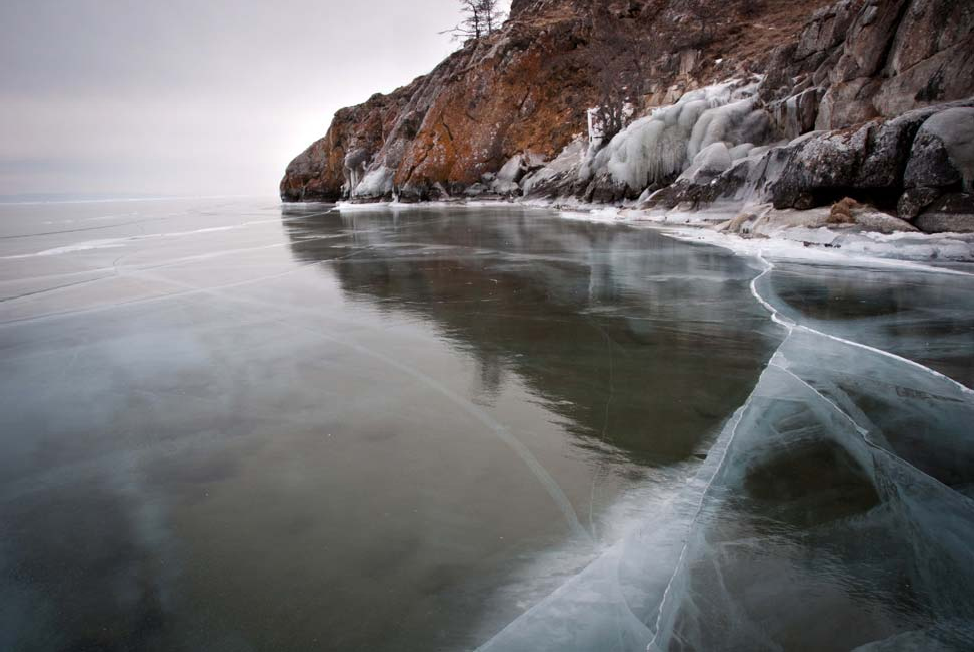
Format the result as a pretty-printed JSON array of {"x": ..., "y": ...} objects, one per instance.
[
  {"x": 870, "y": 158},
  {"x": 826, "y": 29},
  {"x": 951, "y": 213},
  {"x": 475, "y": 190},
  {"x": 914, "y": 201},
  {"x": 513, "y": 170},
  {"x": 823, "y": 162},
  {"x": 873, "y": 220},
  {"x": 867, "y": 42},
  {"x": 928, "y": 27},
  {"x": 558, "y": 177},
  {"x": 888, "y": 149},
  {"x": 506, "y": 188},
  {"x": 847, "y": 103},
  {"x": 929, "y": 164},
  {"x": 821, "y": 75},
  {"x": 943, "y": 152},
  {"x": 946, "y": 75}
]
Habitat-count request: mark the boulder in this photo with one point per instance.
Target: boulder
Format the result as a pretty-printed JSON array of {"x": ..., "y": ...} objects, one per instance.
[
  {"x": 952, "y": 213},
  {"x": 513, "y": 170},
  {"x": 914, "y": 200},
  {"x": 873, "y": 220},
  {"x": 506, "y": 188},
  {"x": 558, "y": 177},
  {"x": 475, "y": 190},
  {"x": 811, "y": 165},
  {"x": 943, "y": 152},
  {"x": 879, "y": 155}
]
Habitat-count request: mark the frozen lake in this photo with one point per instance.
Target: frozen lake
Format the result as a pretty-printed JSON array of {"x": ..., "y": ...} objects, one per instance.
[{"x": 225, "y": 425}]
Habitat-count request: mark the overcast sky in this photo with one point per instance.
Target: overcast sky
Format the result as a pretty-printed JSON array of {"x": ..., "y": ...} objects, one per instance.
[{"x": 192, "y": 97}]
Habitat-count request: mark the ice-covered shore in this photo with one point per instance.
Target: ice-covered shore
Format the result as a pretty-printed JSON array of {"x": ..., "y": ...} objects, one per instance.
[
  {"x": 798, "y": 234},
  {"x": 802, "y": 234}
]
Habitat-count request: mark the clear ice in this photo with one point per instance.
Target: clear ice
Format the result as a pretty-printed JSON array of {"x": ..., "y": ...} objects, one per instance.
[{"x": 833, "y": 512}]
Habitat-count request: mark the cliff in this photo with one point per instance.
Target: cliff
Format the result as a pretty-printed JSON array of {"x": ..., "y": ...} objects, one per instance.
[{"x": 767, "y": 101}]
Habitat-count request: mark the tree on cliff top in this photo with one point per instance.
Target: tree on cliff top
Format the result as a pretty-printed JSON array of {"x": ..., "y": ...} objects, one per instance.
[{"x": 480, "y": 18}]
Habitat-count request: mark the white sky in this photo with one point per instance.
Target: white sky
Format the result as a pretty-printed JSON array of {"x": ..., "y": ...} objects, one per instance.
[{"x": 201, "y": 97}]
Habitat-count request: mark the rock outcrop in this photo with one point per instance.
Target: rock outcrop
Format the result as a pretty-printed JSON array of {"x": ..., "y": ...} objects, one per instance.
[
  {"x": 757, "y": 102},
  {"x": 524, "y": 90}
]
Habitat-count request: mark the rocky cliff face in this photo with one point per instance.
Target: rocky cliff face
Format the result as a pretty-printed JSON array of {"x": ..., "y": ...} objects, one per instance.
[
  {"x": 525, "y": 89},
  {"x": 871, "y": 102},
  {"x": 859, "y": 98}
]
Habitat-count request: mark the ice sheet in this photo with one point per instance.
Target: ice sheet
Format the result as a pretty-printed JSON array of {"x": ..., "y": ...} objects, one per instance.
[{"x": 835, "y": 509}]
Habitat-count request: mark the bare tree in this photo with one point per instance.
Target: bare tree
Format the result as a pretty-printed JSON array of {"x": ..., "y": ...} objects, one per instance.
[
  {"x": 480, "y": 18},
  {"x": 492, "y": 15},
  {"x": 618, "y": 53},
  {"x": 699, "y": 13}
]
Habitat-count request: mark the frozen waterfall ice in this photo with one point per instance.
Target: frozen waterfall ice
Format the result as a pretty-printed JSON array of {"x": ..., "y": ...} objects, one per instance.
[{"x": 665, "y": 143}]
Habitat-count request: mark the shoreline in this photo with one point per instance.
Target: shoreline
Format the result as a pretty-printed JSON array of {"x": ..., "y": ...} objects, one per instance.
[{"x": 848, "y": 245}]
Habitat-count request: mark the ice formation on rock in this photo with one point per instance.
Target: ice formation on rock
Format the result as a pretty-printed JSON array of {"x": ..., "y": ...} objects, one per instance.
[
  {"x": 663, "y": 144},
  {"x": 565, "y": 164},
  {"x": 376, "y": 183}
]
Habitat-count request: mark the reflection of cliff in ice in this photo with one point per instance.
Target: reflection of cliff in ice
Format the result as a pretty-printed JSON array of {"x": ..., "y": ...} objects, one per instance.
[
  {"x": 582, "y": 312},
  {"x": 834, "y": 512}
]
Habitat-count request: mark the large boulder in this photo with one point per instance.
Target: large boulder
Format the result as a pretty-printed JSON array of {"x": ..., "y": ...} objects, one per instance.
[
  {"x": 811, "y": 166},
  {"x": 943, "y": 152},
  {"x": 879, "y": 157}
]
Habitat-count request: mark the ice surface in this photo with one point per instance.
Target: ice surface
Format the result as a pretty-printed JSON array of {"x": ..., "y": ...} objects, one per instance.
[
  {"x": 850, "y": 476},
  {"x": 417, "y": 419},
  {"x": 471, "y": 426},
  {"x": 836, "y": 509}
]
